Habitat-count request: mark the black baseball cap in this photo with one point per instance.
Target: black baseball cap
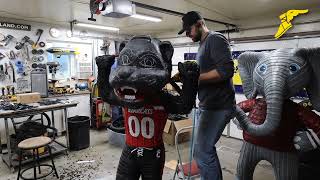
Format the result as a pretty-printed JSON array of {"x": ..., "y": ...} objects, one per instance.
[{"x": 189, "y": 19}]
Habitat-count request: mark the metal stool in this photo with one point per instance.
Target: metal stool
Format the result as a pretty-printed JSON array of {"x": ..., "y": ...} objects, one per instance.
[{"x": 34, "y": 144}]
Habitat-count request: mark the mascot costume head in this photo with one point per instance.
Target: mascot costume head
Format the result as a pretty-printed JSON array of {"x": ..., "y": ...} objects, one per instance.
[{"x": 143, "y": 69}]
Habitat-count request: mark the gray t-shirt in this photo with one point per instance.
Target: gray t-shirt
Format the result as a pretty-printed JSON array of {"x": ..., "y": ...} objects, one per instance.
[{"x": 214, "y": 53}]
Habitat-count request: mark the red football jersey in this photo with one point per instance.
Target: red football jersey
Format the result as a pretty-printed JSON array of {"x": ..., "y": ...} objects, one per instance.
[
  {"x": 293, "y": 118},
  {"x": 144, "y": 126}
]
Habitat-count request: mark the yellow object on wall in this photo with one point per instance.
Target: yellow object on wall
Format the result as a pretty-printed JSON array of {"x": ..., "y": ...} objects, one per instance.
[
  {"x": 236, "y": 77},
  {"x": 286, "y": 19}
]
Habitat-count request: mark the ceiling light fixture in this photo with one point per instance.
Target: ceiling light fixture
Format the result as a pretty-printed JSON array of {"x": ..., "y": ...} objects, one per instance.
[
  {"x": 146, "y": 17},
  {"x": 98, "y": 27}
]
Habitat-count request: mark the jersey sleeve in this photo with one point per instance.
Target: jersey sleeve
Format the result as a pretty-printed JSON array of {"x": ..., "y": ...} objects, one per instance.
[
  {"x": 247, "y": 105},
  {"x": 309, "y": 118}
]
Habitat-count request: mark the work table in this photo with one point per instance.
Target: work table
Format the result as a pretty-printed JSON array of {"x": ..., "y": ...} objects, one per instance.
[
  {"x": 14, "y": 116},
  {"x": 68, "y": 94},
  {"x": 36, "y": 109},
  {"x": 57, "y": 113}
]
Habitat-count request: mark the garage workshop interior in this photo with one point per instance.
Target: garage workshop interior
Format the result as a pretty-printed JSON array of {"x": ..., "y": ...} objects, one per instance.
[{"x": 160, "y": 89}]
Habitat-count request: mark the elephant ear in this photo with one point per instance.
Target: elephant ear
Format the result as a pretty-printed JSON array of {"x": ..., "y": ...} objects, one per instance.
[
  {"x": 312, "y": 55},
  {"x": 247, "y": 61}
]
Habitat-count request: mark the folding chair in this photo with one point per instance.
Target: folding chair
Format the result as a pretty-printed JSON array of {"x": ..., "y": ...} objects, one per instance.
[{"x": 185, "y": 170}]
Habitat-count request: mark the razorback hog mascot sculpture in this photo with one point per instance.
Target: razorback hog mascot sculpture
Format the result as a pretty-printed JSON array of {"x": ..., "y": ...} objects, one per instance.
[
  {"x": 277, "y": 128},
  {"x": 136, "y": 83}
]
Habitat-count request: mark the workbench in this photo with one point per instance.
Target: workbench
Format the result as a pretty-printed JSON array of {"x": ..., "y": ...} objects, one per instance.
[{"x": 10, "y": 114}]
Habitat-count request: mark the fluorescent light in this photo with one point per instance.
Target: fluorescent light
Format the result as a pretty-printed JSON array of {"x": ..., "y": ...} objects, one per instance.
[
  {"x": 98, "y": 27},
  {"x": 145, "y": 17}
]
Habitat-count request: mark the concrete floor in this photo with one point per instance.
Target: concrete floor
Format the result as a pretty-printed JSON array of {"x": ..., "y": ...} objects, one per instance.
[{"x": 106, "y": 157}]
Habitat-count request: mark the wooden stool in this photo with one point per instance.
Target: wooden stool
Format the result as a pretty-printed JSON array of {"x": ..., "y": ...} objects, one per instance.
[{"x": 34, "y": 144}]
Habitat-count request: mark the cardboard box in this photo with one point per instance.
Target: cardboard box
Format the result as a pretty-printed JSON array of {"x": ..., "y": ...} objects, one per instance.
[
  {"x": 171, "y": 129},
  {"x": 28, "y": 98}
]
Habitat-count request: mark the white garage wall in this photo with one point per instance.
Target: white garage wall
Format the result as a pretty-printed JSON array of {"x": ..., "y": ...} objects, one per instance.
[{"x": 293, "y": 43}]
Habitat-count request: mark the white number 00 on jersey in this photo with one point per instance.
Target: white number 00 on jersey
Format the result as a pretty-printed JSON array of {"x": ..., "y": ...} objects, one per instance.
[{"x": 141, "y": 128}]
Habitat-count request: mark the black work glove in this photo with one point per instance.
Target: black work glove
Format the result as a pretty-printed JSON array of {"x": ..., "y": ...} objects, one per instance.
[
  {"x": 104, "y": 64},
  {"x": 189, "y": 71}
]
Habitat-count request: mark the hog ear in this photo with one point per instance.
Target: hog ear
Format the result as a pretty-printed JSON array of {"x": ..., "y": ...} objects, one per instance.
[
  {"x": 122, "y": 45},
  {"x": 166, "y": 50}
]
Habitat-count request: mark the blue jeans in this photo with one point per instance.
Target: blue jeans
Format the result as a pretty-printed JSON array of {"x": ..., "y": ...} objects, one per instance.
[{"x": 211, "y": 125}]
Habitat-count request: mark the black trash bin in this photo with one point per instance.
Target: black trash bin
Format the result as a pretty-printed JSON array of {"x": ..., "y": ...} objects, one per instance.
[{"x": 79, "y": 132}]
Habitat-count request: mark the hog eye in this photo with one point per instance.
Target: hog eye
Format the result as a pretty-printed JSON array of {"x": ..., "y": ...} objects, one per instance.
[
  {"x": 148, "y": 62},
  {"x": 125, "y": 60},
  {"x": 126, "y": 57}
]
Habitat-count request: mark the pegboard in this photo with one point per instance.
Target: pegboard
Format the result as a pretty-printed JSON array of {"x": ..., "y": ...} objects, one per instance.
[
  {"x": 18, "y": 57},
  {"x": 23, "y": 82}
]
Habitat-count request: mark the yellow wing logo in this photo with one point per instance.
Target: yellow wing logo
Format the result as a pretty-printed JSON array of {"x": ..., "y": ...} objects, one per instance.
[
  {"x": 236, "y": 77},
  {"x": 286, "y": 19}
]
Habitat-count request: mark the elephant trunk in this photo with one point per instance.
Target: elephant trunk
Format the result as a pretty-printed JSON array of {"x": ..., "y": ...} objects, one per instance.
[{"x": 274, "y": 91}]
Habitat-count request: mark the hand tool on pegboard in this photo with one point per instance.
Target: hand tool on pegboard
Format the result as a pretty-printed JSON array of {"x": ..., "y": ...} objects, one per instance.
[
  {"x": 24, "y": 40},
  {"x": 25, "y": 53},
  {"x": 19, "y": 66},
  {"x": 8, "y": 90},
  {"x": 12, "y": 90},
  {"x": 13, "y": 73},
  {"x": 42, "y": 44},
  {"x": 8, "y": 39},
  {"x": 6, "y": 71},
  {"x": 11, "y": 55},
  {"x": 2, "y": 75},
  {"x": 29, "y": 41},
  {"x": 2, "y": 56},
  {"x": 3, "y": 91},
  {"x": 39, "y": 33},
  {"x": 40, "y": 58},
  {"x": 37, "y": 52}
]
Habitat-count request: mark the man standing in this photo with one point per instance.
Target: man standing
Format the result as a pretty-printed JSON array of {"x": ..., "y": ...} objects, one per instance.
[{"x": 216, "y": 93}]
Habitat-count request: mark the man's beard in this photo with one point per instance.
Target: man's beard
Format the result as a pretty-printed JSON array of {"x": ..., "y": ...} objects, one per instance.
[{"x": 197, "y": 36}]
